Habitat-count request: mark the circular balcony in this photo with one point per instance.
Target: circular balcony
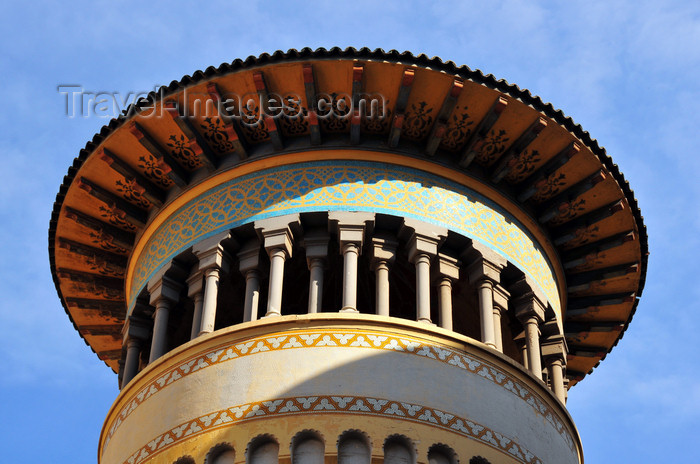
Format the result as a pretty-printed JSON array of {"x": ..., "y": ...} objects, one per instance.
[
  {"x": 347, "y": 261},
  {"x": 334, "y": 374}
]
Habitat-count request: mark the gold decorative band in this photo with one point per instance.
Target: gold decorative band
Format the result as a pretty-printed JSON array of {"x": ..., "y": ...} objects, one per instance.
[{"x": 329, "y": 404}]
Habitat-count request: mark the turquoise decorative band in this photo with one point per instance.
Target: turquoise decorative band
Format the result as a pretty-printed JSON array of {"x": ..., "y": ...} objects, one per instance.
[{"x": 347, "y": 186}]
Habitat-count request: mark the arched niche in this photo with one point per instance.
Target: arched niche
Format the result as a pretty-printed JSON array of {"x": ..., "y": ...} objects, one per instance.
[
  {"x": 221, "y": 453},
  {"x": 308, "y": 447},
  {"x": 354, "y": 448},
  {"x": 398, "y": 449},
  {"x": 263, "y": 449}
]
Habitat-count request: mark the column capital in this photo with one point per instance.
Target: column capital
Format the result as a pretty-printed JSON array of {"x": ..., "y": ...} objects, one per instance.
[
  {"x": 195, "y": 282},
  {"x": 164, "y": 288},
  {"x": 166, "y": 283},
  {"x": 315, "y": 245},
  {"x": 276, "y": 232},
  {"x": 484, "y": 263},
  {"x": 527, "y": 306},
  {"x": 527, "y": 286},
  {"x": 424, "y": 238},
  {"x": 351, "y": 226},
  {"x": 142, "y": 307},
  {"x": 554, "y": 348},
  {"x": 383, "y": 249},
  {"x": 249, "y": 256},
  {"x": 553, "y": 341},
  {"x": 447, "y": 266},
  {"x": 210, "y": 252},
  {"x": 479, "y": 250},
  {"x": 137, "y": 328},
  {"x": 500, "y": 297}
]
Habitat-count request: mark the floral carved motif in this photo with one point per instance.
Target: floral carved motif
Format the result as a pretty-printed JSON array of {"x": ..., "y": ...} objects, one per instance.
[
  {"x": 153, "y": 171},
  {"x": 116, "y": 217},
  {"x": 492, "y": 147},
  {"x": 337, "y": 117},
  {"x": 216, "y": 135},
  {"x": 132, "y": 192},
  {"x": 377, "y": 124},
  {"x": 569, "y": 210},
  {"x": 458, "y": 130},
  {"x": 182, "y": 152},
  {"x": 525, "y": 165},
  {"x": 552, "y": 186},
  {"x": 293, "y": 120},
  {"x": 418, "y": 122},
  {"x": 106, "y": 242},
  {"x": 253, "y": 125}
]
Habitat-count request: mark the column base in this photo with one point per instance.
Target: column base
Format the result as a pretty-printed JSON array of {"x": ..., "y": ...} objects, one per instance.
[{"x": 348, "y": 309}]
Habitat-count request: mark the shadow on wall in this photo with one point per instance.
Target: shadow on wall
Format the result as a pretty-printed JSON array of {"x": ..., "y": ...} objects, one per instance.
[{"x": 420, "y": 368}]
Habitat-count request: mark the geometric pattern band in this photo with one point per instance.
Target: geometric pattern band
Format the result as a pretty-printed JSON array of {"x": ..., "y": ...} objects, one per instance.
[
  {"x": 349, "y": 338},
  {"x": 344, "y": 186},
  {"x": 328, "y": 405}
]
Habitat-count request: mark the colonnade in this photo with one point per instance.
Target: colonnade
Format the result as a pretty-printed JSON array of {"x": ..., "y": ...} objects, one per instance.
[
  {"x": 353, "y": 447},
  {"x": 435, "y": 270}
]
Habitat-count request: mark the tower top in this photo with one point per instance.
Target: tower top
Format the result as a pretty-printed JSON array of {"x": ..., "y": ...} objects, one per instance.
[{"x": 465, "y": 127}]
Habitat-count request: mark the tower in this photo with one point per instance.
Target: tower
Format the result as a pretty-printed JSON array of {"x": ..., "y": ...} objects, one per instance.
[{"x": 345, "y": 255}]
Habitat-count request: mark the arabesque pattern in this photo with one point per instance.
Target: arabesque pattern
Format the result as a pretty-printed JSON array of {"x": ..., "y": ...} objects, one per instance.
[{"x": 347, "y": 186}]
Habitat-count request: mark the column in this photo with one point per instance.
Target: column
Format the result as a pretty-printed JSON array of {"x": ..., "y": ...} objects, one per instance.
[
  {"x": 351, "y": 230},
  {"x": 316, "y": 247},
  {"x": 277, "y": 258},
  {"x": 522, "y": 347},
  {"x": 556, "y": 374},
  {"x": 422, "y": 263},
  {"x": 164, "y": 292},
  {"x": 277, "y": 240},
  {"x": 383, "y": 255},
  {"x": 211, "y": 293},
  {"x": 137, "y": 332},
  {"x": 213, "y": 260},
  {"x": 422, "y": 247},
  {"x": 195, "y": 290},
  {"x": 131, "y": 366},
  {"x": 532, "y": 340},
  {"x": 121, "y": 364},
  {"x": 252, "y": 295},
  {"x": 554, "y": 352},
  {"x": 448, "y": 271},
  {"x": 530, "y": 312},
  {"x": 249, "y": 264},
  {"x": 485, "y": 273},
  {"x": 500, "y": 306}
]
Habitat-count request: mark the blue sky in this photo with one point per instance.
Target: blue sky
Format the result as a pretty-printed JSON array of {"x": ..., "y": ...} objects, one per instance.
[{"x": 626, "y": 71}]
